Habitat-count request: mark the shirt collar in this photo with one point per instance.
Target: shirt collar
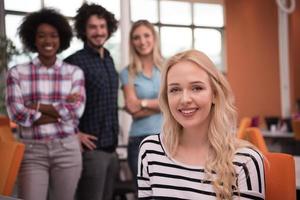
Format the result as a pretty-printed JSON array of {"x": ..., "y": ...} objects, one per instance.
[
  {"x": 58, "y": 63},
  {"x": 93, "y": 51}
]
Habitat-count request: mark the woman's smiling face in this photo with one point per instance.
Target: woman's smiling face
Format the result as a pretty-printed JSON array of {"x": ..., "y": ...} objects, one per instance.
[
  {"x": 190, "y": 95},
  {"x": 47, "y": 41}
]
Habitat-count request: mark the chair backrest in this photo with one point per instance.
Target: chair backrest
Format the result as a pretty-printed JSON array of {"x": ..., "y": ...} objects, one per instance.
[
  {"x": 254, "y": 136},
  {"x": 11, "y": 154},
  {"x": 5, "y": 129},
  {"x": 245, "y": 123},
  {"x": 4, "y": 120},
  {"x": 280, "y": 176},
  {"x": 296, "y": 128}
]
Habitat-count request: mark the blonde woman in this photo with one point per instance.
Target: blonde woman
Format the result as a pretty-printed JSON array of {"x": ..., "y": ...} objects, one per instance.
[
  {"x": 197, "y": 156},
  {"x": 140, "y": 84}
]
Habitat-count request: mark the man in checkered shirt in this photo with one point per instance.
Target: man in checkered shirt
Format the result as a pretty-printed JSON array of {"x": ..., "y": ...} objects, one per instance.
[{"x": 99, "y": 124}]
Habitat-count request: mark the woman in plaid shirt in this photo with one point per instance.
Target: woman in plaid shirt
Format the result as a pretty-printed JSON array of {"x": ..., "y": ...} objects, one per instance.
[{"x": 46, "y": 98}]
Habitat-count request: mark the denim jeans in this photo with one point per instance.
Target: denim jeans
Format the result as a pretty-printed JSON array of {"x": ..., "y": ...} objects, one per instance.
[{"x": 50, "y": 165}]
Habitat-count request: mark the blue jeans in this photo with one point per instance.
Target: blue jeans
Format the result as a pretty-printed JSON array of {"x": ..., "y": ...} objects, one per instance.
[{"x": 133, "y": 153}]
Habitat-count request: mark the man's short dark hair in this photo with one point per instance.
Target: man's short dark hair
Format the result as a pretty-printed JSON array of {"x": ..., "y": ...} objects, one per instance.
[
  {"x": 86, "y": 11},
  {"x": 28, "y": 28}
]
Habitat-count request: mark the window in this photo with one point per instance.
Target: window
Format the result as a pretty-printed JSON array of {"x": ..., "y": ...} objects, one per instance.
[
  {"x": 23, "y": 6},
  {"x": 15, "y": 10},
  {"x": 182, "y": 36},
  {"x": 192, "y": 24},
  {"x": 65, "y": 7},
  {"x": 175, "y": 12},
  {"x": 183, "y": 25},
  {"x": 11, "y": 22},
  {"x": 144, "y": 9}
]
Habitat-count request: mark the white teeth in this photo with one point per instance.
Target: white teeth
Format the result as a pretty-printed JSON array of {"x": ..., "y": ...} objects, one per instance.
[
  {"x": 48, "y": 48},
  {"x": 187, "y": 112}
]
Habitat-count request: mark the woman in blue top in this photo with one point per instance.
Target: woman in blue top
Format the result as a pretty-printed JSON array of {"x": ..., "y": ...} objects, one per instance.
[{"x": 140, "y": 84}]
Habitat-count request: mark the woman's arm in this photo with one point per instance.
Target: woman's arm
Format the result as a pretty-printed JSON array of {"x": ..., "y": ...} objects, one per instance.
[
  {"x": 143, "y": 178},
  {"x": 251, "y": 178},
  {"x": 132, "y": 103},
  {"x": 151, "y": 104},
  {"x": 73, "y": 106},
  {"x": 17, "y": 109},
  {"x": 139, "y": 107}
]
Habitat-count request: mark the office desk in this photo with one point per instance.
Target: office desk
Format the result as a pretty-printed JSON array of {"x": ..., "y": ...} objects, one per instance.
[
  {"x": 281, "y": 142},
  {"x": 8, "y": 198},
  {"x": 277, "y": 134}
]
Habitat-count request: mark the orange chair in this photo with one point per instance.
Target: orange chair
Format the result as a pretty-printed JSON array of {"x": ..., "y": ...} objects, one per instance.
[
  {"x": 280, "y": 176},
  {"x": 5, "y": 129},
  {"x": 245, "y": 123},
  {"x": 4, "y": 120},
  {"x": 11, "y": 154},
  {"x": 254, "y": 136},
  {"x": 296, "y": 128}
]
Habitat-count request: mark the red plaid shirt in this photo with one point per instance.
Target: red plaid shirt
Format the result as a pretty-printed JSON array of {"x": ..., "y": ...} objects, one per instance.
[{"x": 32, "y": 83}]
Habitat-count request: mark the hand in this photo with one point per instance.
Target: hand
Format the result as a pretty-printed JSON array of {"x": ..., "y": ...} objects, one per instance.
[
  {"x": 72, "y": 98},
  {"x": 32, "y": 106},
  {"x": 133, "y": 105},
  {"x": 87, "y": 140}
]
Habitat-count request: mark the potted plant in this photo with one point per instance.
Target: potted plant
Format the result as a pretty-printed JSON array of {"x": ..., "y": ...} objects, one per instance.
[{"x": 7, "y": 50}]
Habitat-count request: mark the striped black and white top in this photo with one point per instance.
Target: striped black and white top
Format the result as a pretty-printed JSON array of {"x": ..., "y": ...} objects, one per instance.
[{"x": 161, "y": 177}]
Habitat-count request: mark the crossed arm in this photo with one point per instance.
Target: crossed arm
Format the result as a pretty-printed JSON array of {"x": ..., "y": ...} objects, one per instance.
[
  {"x": 27, "y": 115},
  {"x": 133, "y": 103},
  {"x": 48, "y": 113}
]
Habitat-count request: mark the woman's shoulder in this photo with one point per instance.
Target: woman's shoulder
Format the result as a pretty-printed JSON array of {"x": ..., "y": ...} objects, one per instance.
[
  {"x": 68, "y": 68},
  {"x": 69, "y": 65},
  {"x": 124, "y": 71},
  {"x": 20, "y": 68},
  {"x": 245, "y": 155},
  {"x": 155, "y": 138},
  {"x": 151, "y": 142}
]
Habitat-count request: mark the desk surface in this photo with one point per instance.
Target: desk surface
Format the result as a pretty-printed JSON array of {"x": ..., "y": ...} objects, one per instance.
[
  {"x": 7, "y": 198},
  {"x": 277, "y": 134}
]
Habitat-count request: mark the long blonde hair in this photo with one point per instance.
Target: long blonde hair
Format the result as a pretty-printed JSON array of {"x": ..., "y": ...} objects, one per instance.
[
  {"x": 221, "y": 133},
  {"x": 135, "y": 63}
]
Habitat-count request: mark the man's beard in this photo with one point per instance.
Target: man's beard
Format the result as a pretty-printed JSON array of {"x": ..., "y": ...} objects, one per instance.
[
  {"x": 95, "y": 46},
  {"x": 98, "y": 46}
]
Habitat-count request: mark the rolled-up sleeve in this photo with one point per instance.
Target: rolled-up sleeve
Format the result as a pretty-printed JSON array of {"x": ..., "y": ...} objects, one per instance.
[
  {"x": 15, "y": 106},
  {"x": 73, "y": 110}
]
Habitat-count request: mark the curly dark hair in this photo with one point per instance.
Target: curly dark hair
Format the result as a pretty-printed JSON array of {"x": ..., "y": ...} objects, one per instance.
[
  {"x": 86, "y": 11},
  {"x": 28, "y": 28}
]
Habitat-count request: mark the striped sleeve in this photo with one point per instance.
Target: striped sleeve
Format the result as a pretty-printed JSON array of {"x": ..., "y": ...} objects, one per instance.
[
  {"x": 144, "y": 186},
  {"x": 250, "y": 171}
]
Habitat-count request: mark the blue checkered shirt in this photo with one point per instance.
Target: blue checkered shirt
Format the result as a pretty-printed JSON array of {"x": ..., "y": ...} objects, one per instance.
[{"x": 100, "y": 117}]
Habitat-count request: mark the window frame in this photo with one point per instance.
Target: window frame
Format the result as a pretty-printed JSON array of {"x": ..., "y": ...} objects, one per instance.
[{"x": 221, "y": 29}]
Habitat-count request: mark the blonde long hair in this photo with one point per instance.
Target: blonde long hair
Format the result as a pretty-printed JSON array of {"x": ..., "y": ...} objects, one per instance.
[
  {"x": 221, "y": 133},
  {"x": 135, "y": 63}
]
